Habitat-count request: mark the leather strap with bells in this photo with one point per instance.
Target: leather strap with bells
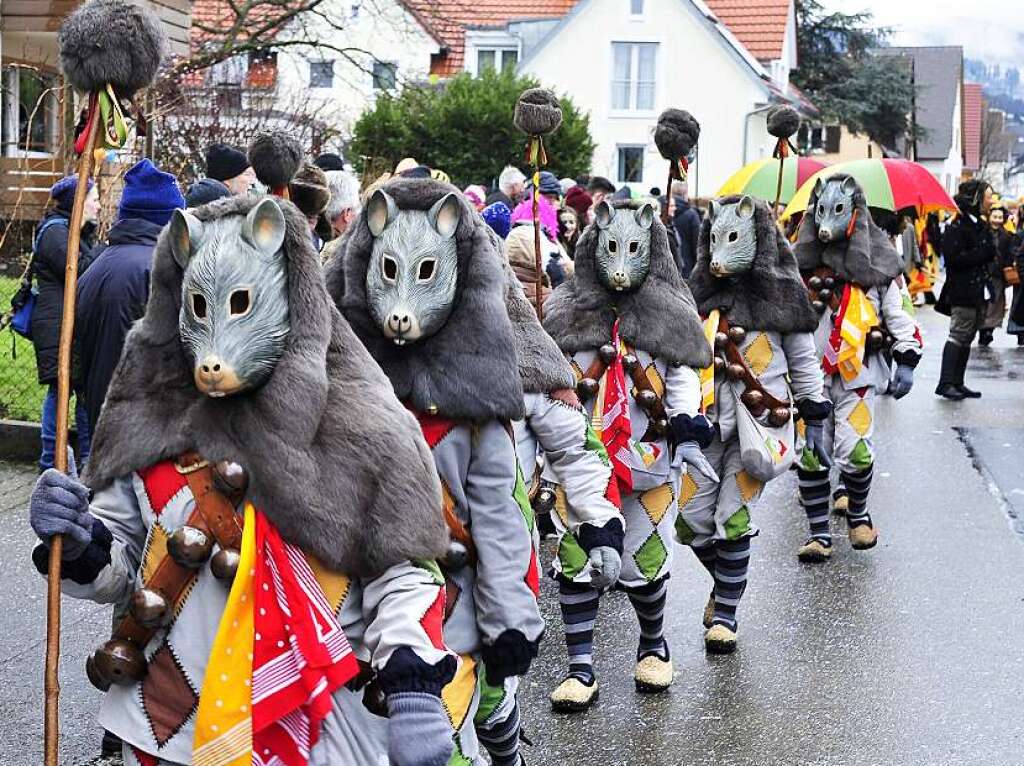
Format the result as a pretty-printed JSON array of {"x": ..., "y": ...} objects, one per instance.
[
  {"x": 655, "y": 409},
  {"x": 829, "y": 295},
  {"x": 738, "y": 369}
]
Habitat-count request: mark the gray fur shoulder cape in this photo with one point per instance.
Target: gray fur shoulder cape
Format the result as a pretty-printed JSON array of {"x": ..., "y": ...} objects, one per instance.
[
  {"x": 467, "y": 369},
  {"x": 659, "y": 317},
  {"x": 867, "y": 258},
  {"x": 771, "y": 296},
  {"x": 334, "y": 460}
]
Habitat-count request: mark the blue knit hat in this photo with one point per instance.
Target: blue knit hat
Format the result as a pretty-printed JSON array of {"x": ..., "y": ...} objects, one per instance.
[
  {"x": 150, "y": 194},
  {"x": 63, "y": 192},
  {"x": 498, "y": 217}
]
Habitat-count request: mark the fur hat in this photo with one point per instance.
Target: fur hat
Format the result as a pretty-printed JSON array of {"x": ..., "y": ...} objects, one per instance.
[
  {"x": 538, "y": 111},
  {"x": 783, "y": 121},
  {"x": 309, "y": 190},
  {"x": 320, "y": 439},
  {"x": 276, "y": 157},
  {"x": 771, "y": 296},
  {"x": 225, "y": 162},
  {"x": 676, "y": 133},
  {"x": 111, "y": 41}
]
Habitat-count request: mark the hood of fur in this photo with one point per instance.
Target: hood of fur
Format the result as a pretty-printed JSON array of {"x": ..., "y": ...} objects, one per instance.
[
  {"x": 467, "y": 369},
  {"x": 542, "y": 367},
  {"x": 867, "y": 258},
  {"x": 334, "y": 460},
  {"x": 771, "y": 296},
  {"x": 659, "y": 317}
]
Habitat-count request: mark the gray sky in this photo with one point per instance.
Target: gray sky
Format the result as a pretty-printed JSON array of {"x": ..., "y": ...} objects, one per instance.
[{"x": 988, "y": 29}]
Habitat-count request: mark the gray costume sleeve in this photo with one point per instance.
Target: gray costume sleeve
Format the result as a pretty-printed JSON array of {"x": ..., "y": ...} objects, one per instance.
[
  {"x": 577, "y": 458},
  {"x": 117, "y": 506},
  {"x": 806, "y": 377},
  {"x": 682, "y": 391},
  {"x": 899, "y": 323},
  {"x": 504, "y": 542}
]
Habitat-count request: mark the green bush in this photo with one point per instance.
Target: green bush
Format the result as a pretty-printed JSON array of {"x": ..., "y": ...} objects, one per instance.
[{"x": 463, "y": 126}]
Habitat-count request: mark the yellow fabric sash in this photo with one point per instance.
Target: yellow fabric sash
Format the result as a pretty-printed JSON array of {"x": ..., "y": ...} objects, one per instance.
[
  {"x": 858, "y": 319},
  {"x": 707, "y": 375}
]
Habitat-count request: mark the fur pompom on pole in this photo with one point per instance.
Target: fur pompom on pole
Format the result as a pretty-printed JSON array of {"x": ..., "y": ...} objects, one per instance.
[
  {"x": 675, "y": 135},
  {"x": 275, "y": 158},
  {"x": 538, "y": 112},
  {"x": 783, "y": 122}
]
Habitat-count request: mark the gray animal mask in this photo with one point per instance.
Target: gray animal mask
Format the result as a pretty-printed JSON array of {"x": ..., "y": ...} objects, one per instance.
[
  {"x": 623, "y": 246},
  {"x": 733, "y": 237},
  {"x": 413, "y": 269},
  {"x": 835, "y": 208},
  {"x": 234, "y": 302}
]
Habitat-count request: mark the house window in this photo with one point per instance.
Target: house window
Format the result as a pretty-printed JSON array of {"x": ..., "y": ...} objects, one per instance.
[
  {"x": 496, "y": 58},
  {"x": 228, "y": 97},
  {"x": 31, "y": 119},
  {"x": 631, "y": 164},
  {"x": 636, "y": 7},
  {"x": 833, "y": 134},
  {"x": 321, "y": 74},
  {"x": 633, "y": 76},
  {"x": 385, "y": 75}
]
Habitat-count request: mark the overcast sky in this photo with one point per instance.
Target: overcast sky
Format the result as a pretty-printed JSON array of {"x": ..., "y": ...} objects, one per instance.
[{"x": 988, "y": 29}]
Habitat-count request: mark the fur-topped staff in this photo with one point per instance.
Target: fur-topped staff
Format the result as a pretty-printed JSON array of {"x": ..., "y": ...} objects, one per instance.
[
  {"x": 659, "y": 317},
  {"x": 783, "y": 122},
  {"x": 867, "y": 257},
  {"x": 675, "y": 135},
  {"x": 276, "y": 158},
  {"x": 320, "y": 439},
  {"x": 468, "y": 368},
  {"x": 771, "y": 296}
]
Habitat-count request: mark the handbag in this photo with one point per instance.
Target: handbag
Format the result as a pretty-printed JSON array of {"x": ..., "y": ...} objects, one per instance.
[
  {"x": 1011, "y": 276},
  {"x": 766, "y": 451}
]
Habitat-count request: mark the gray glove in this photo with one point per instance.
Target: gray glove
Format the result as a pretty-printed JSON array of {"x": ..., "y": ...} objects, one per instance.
[
  {"x": 59, "y": 505},
  {"x": 814, "y": 440},
  {"x": 903, "y": 381},
  {"x": 691, "y": 454},
  {"x": 419, "y": 731},
  {"x": 605, "y": 565}
]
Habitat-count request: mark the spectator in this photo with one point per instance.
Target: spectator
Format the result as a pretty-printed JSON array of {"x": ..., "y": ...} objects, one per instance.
[
  {"x": 549, "y": 188},
  {"x": 554, "y": 262},
  {"x": 309, "y": 192},
  {"x": 114, "y": 292},
  {"x": 329, "y": 162},
  {"x": 568, "y": 230},
  {"x": 968, "y": 248},
  {"x": 578, "y": 199},
  {"x": 230, "y": 166},
  {"x": 996, "y": 307},
  {"x": 342, "y": 208},
  {"x": 566, "y": 184},
  {"x": 599, "y": 188},
  {"x": 204, "y": 191},
  {"x": 499, "y": 218},
  {"x": 686, "y": 221},
  {"x": 476, "y": 195},
  {"x": 511, "y": 186},
  {"x": 49, "y": 260},
  {"x": 1015, "y": 324}
]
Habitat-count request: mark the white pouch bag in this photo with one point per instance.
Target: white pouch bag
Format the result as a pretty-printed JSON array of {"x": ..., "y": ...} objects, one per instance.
[{"x": 766, "y": 451}]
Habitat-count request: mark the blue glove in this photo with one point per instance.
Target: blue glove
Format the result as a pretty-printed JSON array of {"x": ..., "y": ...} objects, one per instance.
[
  {"x": 814, "y": 440},
  {"x": 691, "y": 454},
  {"x": 419, "y": 731},
  {"x": 903, "y": 381},
  {"x": 605, "y": 565},
  {"x": 59, "y": 505}
]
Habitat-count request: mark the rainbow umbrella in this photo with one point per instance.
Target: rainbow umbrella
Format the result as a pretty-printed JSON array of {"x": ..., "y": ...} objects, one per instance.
[
  {"x": 759, "y": 178},
  {"x": 888, "y": 184}
]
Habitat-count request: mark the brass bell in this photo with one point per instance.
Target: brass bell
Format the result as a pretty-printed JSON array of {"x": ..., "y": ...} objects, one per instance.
[
  {"x": 100, "y": 682},
  {"x": 779, "y": 416},
  {"x": 150, "y": 608},
  {"x": 660, "y": 426},
  {"x": 224, "y": 564},
  {"x": 431, "y": 409},
  {"x": 646, "y": 398},
  {"x": 119, "y": 662},
  {"x": 719, "y": 364},
  {"x": 629, "y": 362},
  {"x": 607, "y": 353},
  {"x": 456, "y": 557},
  {"x": 544, "y": 500},
  {"x": 829, "y": 282},
  {"x": 818, "y": 306},
  {"x": 825, "y": 295},
  {"x": 737, "y": 335},
  {"x": 190, "y": 546},
  {"x": 230, "y": 479},
  {"x": 814, "y": 283},
  {"x": 875, "y": 341},
  {"x": 753, "y": 398},
  {"x": 734, "y": 371},
  {"x": 587, "y": 389},
  {"x": 721, "y": 339}
]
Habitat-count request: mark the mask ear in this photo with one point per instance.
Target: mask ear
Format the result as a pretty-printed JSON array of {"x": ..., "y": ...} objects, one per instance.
[
  {"x": 713, "y": 210},
  {"x": 264, "y": 227},
  {"x": 444, "y": 216},
  {"x": 603, "y": 214},
  {"x": 645, "y": 215},
  {"x": 849, "y": 186},
  {"x": 380, "y": 211},
  {"x": 818, "y": 186},
  {"x": 745, "y": 208},
  {"x": 186, "y": 233}
]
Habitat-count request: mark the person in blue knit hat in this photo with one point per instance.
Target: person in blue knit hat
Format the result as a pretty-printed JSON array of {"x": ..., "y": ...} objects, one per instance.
[{"x": 113, "y": 293}]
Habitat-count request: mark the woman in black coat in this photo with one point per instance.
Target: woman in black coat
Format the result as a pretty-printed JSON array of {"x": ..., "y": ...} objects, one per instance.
[{"x": 48, "y": 263}]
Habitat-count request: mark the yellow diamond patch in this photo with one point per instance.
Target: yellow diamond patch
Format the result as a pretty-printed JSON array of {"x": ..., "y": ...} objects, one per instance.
[
  {"x": 562, "y": 506},
  {"x": 860, "y": 418},
  {"x": 747, "y": 485},
  {"x": 654, "y": 377},
  {"x": 576, "y": 370},
  {"x": 687, "y": 490},
  {"x": 457, "y": 696},
  {"x": 759, "y": 354},
  {"x": 657, "y": 502},
  {"x": 156, "y": 551}
]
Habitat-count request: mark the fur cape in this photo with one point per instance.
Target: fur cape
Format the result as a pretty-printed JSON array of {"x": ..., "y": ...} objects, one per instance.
[
  {"x": 771, "y": 296},
  {"x": 542, "y": 367},
  {"x": 334, "y": 460},
  {"x": 659, "y": 317},
  {"x": 467, "y": 369},
  {"x": 867, "y": 258}
]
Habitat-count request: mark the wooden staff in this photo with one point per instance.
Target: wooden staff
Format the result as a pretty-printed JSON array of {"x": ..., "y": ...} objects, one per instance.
[
  {"x": 67, "y": 330},
  {"x": 668, "y": 191},
  {"x": 538, "y": 263},
  {"x": 778, "y": 185}
]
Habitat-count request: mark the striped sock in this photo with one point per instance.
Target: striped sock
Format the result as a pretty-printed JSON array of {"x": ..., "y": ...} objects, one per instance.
[
  {"x": 730, "y": 579},
  {"x": 814, "y": 492},
  {"x": 579, "y": 610},
  {"x": 857, "y": 486},
  {"x": 649, "y": 603},
  {"x": 501, "y": 739},
  {"x": 706, "y": 555}
]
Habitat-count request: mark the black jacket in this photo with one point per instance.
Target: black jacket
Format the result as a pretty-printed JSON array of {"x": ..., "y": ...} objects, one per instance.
[
  {"x": 968, "y": 249},
  {"x": 687, "y": 225},
  {"x": 48, "y": 264},
  {"x": 111, "y": 296}
]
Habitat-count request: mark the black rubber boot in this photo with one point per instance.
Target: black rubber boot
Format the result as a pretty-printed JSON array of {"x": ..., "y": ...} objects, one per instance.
[
  {"x": 985, "y": 337},
  {"x": 947, "y": 377},
  {"x": 961, "y": 370}
]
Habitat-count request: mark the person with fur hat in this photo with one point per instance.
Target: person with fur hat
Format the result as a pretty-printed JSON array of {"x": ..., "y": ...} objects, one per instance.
[
  {"x": 310, "y": 193},
  {"x": 748, "y": 288},
  {"x": 851, "y": 270},
  {"x": 230, "y": 166},
  {"x": 628, "y": 325},
  {"x": 282, "y": 600},
  {"x": 421, "y": 282}
]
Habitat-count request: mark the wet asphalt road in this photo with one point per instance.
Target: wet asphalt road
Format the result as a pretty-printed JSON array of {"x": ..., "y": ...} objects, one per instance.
[{"x": 912, "y": 653}]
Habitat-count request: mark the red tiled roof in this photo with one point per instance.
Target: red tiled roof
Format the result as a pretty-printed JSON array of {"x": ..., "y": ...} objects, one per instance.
[
  {"x": 447, "y": 20},
  {"x": 759, "y": 24},
  {"x": 974, "y": 117}
]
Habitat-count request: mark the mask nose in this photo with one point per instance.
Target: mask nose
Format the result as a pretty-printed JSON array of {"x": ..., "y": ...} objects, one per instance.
[
  {"x": 401, "y": 325},
  {"x": 716, "y": 268},
  {"x": 620, "y": 279},
  {"x": 824, "y": 235},
  {"x": 215, "y": 378}
]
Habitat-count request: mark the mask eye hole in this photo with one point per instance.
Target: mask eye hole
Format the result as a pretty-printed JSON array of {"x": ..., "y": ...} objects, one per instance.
[
  {"x": 239, "y": 302},
  {"x": 839, "y": 208},
  {"x": 198, "y": 306},
  {"x": 821, "y": 210},
  {"x": 733, "y": 236},
  {"x": 613, "y": 246},
  {"x": 426, "y": 270},
  {"x": 633, "y": 247},
  {"x": 390, "y": 268},
  {"x": 714, "y": 238}
]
